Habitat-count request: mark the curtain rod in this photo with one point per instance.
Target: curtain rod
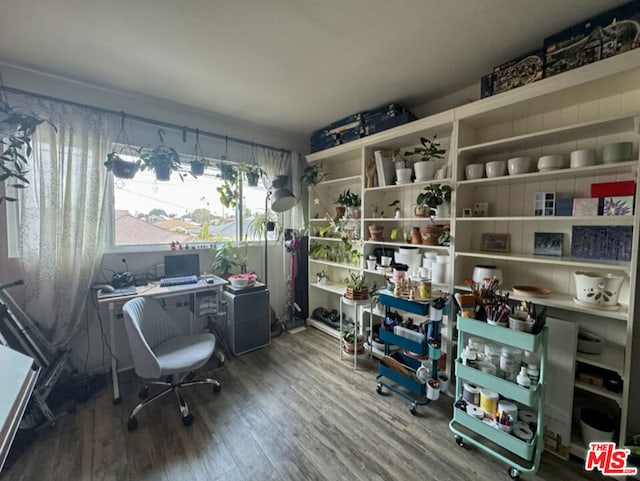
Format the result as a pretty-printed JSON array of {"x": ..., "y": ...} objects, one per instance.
[{"x": 147, "y": 120}]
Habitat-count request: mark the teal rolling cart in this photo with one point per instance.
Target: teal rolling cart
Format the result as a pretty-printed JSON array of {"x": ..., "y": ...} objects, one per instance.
[
  {"x": 521, "y": 456},
  {"x": 404, "y": 383}
]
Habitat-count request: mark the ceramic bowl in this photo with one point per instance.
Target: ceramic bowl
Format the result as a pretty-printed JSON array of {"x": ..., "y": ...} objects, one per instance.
[
  {"x": 550, "y": 162},
  {"x": 582, "y": 158},
  {"x": 595, "y": 426},
  {"x": 497, "y": 168},
  {"x": 617, "y": 152},
  {"x": 474, "y": 171},
  {"x": 518, "y": 165}
]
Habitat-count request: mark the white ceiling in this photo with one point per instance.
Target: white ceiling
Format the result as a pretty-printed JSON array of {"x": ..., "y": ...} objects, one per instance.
[{"x": 290, "y": 65}]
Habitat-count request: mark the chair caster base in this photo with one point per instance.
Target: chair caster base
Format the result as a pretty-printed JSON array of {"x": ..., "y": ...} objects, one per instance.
[
  {"x": 217, "y": 388},
  {"x": 144, "y": 392},
  {"x": 132, "y": 424},
  {"x": 187, "y": 420}
]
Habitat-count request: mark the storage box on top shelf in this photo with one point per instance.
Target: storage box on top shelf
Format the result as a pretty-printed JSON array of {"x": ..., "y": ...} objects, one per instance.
[
  {"x": 518, "y": 72},
  {"x": 605, "y": 35},
  {"x": 388, "y": 123},
  {"x": 610, "y": 189}
]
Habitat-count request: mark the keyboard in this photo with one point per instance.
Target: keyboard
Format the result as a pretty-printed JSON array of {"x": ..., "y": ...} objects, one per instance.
[
  {"x": 178, "y": 281},
  {"x": 124, "y": 291}
]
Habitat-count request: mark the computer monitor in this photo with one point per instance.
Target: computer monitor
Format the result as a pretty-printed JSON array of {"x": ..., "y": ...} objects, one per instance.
[{"x": 182, "y": 265}]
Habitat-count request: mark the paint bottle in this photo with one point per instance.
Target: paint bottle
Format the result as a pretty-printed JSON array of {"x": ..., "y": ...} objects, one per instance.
[
  {"x": 534, "y": 374},
  {"x": 523, "y": 378}
]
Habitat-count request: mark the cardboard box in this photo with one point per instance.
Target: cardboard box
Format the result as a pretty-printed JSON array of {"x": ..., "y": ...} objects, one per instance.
[
  {"x": 605, "y": 35},
  {"x": 618, "y": 205},
  {"x": 518, "y": 72},
  {"x": 610, "y": 189},
  {"x": 587, "y": 207}
]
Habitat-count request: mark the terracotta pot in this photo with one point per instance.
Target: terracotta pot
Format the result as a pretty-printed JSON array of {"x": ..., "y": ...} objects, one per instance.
[
  {"x": 430, "y": 234},
  {"x": 376, "y": 232},
  {"x": 340, "y": 210},
  {"x": 416, "y": 237}
]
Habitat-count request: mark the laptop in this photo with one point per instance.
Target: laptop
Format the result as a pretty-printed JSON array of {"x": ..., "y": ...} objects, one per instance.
[{"x": 181, "y": 269}]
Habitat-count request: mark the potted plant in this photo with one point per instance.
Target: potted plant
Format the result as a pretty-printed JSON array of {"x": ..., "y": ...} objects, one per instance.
[
  {"x": 434, "y": 196},
  {"x": 123, "y": 169},
  {"x": 312, "y": 175},
  {"x": 357, "y": 288},
  {"x": 223, "y": 260},
  {"x": 428, "y": 150},
  {"x": 343, "y": 201},
  {"x": 229, "y": 192},
  {"x": 356, "y": 203},
  {"x": 349, "y": 342},
  {"x": 322, "y": 277},
  {"x": 199, "y": 162},
  {"x": 252, "y": 173},
  {"x": 16, "y": 129},
  {"x": 161, "y": 158}
]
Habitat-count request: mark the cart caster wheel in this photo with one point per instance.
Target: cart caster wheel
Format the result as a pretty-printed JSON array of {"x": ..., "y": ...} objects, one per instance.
[
  {"x": 216, "y": 388},
  {"x": 513, "y": 473},
  {"x": 379, "y": 389},
  {"x": 143, "y": 393},
  {"x": 187, "y": 420},
  {"x": 132, "y": 424},
  {"x": 459, "y": 441},
  {"x": 412, "y": 409}
]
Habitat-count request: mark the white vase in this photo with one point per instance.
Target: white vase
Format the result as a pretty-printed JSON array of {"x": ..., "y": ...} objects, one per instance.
[{"x": 425, "y": 170}]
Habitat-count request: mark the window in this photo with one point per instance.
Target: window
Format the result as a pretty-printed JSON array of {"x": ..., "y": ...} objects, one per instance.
[{"x": 188, "y": 211}]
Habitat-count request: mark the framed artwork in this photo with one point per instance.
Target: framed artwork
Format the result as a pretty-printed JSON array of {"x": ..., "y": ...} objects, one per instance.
[
  {"x": 495, "y": 242},
  {"x": 544, "y": 203},
  {"x": 466, "y": 212},
  {"x": 548, "y": 244},
  {"x": 481, "y": 209}
]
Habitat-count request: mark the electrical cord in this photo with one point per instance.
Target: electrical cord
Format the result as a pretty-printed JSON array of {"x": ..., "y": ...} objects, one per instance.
[{"x": 105, "y": 342}]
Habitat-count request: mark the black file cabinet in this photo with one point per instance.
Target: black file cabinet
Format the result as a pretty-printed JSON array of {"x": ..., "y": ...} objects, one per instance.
[{"x": 247, "y": 318}]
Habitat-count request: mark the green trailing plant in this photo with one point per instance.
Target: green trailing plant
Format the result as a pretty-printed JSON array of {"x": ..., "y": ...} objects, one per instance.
[
  {"x": 434, "y": 195},
  {"x": 252, "y": 173},
  {"x": 429, "y": 149},
  {"x": 17, "y": 127},
  {"x": 229, "y": 190},
  {"x": 445, "y": 236},
  {"x": 312, "y": 175},
  {"x": 161, "y": 158}
]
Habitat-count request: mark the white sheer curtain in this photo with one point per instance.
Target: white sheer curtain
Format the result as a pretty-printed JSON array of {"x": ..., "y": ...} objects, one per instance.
[{"x": 63, "y": 214}]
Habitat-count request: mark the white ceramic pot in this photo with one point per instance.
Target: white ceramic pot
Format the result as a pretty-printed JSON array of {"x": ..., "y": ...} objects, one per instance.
[
  {"x": 474, "y": 171},
  {"x": 550, "y": 162},
  {"x": 443, "y": 211},
  {"x": 403, "y": 175},
  {"x": 597, "y": 289},
  {"x": 481, "y": 272},
  {"x": 425, "y": 170},
  {"x": 518, "y": 165},
  {"x": 617, "y": 152},
  {"x": 497, "y": 168},
  {"x": 582, "y": 158}
]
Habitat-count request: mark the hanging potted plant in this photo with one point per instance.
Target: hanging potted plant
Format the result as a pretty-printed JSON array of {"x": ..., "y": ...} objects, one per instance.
[
  {"x": 229, "y": 192},
  {"x": 425, "y": 168},
  {"x": 252, "y": 173},
  {"x": 116, "y": 162},
  {"x": 16, "y": 130},
  {"x": 199, "y": 162},
  {"x": 161, "y": 158}
]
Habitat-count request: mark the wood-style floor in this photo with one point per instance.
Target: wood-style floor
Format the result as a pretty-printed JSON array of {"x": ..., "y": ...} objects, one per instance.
[{"x": 291, "y": 411}]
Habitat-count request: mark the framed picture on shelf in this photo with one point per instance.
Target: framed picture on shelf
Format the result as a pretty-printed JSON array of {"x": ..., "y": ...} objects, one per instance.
[
  {"x": 548, "y": 244},
  {"x": 481, "y": 209},
  {"x": 495, "y": 242},
  {"x": 467, "y": 212}
]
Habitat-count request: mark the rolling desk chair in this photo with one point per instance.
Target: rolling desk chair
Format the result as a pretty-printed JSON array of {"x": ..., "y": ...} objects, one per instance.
[{"x": 160, "y": 348}]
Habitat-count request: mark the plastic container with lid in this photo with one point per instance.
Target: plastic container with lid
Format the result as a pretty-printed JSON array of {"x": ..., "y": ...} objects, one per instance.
[
  {"x": 476, "y": 343},
  {"x": 492, "y": 354},
  {"x": 510, "y": 358}
]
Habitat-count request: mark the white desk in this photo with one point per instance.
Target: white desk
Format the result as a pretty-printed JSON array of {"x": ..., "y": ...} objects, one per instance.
[{"x": 151, "y": 290}]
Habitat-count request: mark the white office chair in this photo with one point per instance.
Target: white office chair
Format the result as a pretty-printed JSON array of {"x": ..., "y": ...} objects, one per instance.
[{"x": 160, "y": 348}]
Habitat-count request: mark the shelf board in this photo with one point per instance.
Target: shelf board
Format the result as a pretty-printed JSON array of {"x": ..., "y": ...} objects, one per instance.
[
  {"x": 329, "y": 287},
  {"x": 599, "y": 219},
  {"x": 409, "y": 184},
  {"x": 600, "y": 392},
  {"x": 335, "y": 264},
  {"x": 339, "y": 153},
  {"x": 323, "y": 327},
  {"x": 436, "y": 220},
  {"x": 595, "y": 128},
  {"x": 611, "y": 358},
  {"x": 341, "y": 180},
  {"x": 565, "y": 301},
  {"x": 404, "y": 244},
  {"x": 559, "y": 261},
  {"x": 586, "y": 172},
  {"x": 330, "y": 239}
]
